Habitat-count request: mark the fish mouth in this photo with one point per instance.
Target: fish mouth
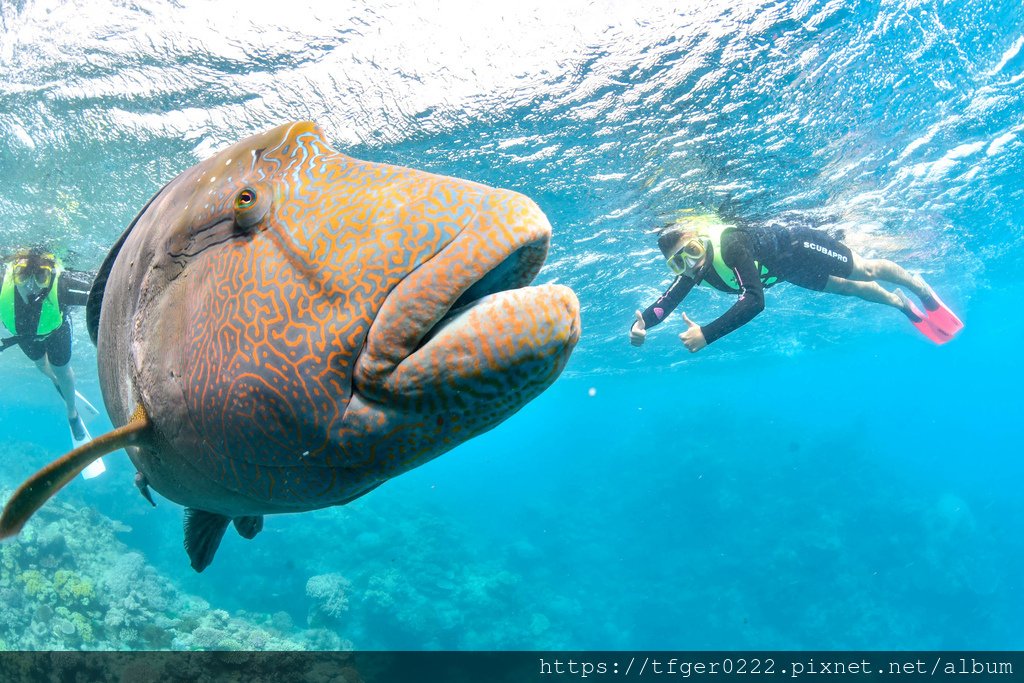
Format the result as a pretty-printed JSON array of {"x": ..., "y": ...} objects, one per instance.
[
  {"x": 466, "y": 321},
  {"x": 516, "y": 271}
]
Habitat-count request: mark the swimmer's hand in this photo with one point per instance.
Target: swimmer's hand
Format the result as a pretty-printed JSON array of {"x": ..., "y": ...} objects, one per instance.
[
  {"x": 638, "y": 332},
  {"x": 693, "y": 337}
]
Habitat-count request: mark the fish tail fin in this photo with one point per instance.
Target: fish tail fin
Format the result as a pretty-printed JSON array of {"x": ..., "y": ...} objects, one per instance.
[{"x": 42, "y": 485}]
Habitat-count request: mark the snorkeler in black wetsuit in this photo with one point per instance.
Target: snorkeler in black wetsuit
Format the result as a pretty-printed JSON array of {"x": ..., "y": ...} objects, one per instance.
[{"x": 744, "y": 261}]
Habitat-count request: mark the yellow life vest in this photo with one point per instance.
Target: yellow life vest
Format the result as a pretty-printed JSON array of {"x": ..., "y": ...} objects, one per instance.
[{"x": 50, "y": 317}]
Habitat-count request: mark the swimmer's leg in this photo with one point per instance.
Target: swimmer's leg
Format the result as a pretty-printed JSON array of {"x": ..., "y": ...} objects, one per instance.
[
  {"x": 64, "y": 378},
  {"x": 871, "y": 269},
  {"x": 940, "y": 317},
  {"x": 869, "y": 291}
]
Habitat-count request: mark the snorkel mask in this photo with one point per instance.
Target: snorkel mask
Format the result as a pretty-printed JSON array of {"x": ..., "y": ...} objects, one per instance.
[
  {"x": 36, "y": 279},
  {"x": 685, "y": 260}
]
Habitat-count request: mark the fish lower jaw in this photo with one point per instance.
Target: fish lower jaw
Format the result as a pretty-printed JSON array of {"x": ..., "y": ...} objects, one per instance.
[{"x": 505, "y": 347}]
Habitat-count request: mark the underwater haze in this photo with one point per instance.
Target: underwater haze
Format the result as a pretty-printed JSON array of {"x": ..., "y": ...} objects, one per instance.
[{"x": 824, "y": 477}]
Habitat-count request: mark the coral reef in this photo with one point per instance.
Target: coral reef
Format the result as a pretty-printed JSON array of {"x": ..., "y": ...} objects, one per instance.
[
  {"x": 68, "y": 583},
  {"x": 330, "y": 602},
  {"x": 394, "y": 583}
]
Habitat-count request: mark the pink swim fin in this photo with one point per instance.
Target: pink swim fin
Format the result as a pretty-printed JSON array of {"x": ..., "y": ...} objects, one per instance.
[
  {"x": 921, "y": 321},
  {"x": 940, "y": 317}
]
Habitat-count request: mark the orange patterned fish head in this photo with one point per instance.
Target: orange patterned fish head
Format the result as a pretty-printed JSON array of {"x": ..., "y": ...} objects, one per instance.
[{"x": 301, "y": 326}]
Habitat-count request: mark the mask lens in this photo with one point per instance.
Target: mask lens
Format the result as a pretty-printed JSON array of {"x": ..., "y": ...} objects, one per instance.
[
  {"x": 44, "y": 277},
  {"x": 685, "y": 260},
  {"x": 694, "y": 249},
  {"x": 20, "y": 272},
  {"x": 677, "y": 263}
]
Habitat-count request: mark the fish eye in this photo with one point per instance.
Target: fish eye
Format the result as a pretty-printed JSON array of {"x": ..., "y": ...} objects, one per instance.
[
  {"x": 245, "y": 199},
  {"x": 250, "y": 207}
]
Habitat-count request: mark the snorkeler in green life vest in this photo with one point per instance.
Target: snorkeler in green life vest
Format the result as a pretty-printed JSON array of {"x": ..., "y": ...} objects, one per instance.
[
  {"x": 35, "y": 296},
  {"x": 702, "y": 248}
]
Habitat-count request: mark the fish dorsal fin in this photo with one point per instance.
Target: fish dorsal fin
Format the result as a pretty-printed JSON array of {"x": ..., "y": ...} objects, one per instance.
[
  {"x": 203, "y": 532},
  {"x": 42, "y": 485}
]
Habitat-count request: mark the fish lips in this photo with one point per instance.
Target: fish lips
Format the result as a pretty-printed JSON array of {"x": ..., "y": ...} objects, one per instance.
[
  {"x": 465, "y": 328},
  {"x": 506, "y": 347}
]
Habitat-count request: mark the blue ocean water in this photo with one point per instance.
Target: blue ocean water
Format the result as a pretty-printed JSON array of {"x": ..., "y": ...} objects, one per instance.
[{"x": 822, "y": 478}]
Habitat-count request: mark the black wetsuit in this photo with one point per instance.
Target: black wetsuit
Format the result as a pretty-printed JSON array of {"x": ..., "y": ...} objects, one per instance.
[
  {"x": 803, "y": 256},
  {"x": 73, "y": 291}
]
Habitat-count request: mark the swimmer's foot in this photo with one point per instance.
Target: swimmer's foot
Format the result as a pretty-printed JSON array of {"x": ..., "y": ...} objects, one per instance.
[
  {"x": 924, "y": 292},
  {"x": 939, "y": 314},
  {"x": 909, "y": 309},
  {"x": 921, "y": 320},
  {"x": 79, "y": 437},
  {"x": 78, "y": 432}
]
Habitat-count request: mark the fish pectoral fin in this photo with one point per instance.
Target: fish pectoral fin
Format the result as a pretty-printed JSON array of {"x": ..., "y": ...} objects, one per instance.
[
  {"x": 42, "y": 485},
  {"x": 203, "y": 532},
  {"x": 248, "y": 527}
]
